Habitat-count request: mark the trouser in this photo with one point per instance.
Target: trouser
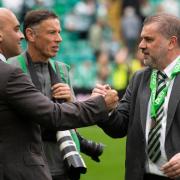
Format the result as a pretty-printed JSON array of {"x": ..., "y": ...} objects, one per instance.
[{"x": 155, "y": 177}]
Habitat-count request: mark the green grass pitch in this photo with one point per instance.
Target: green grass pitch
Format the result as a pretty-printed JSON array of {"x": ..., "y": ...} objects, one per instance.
[{"x": 111, "y": 166}]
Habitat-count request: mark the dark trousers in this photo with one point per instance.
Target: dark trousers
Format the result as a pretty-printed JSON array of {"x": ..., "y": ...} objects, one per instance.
[{"x": 155, "y": 177}]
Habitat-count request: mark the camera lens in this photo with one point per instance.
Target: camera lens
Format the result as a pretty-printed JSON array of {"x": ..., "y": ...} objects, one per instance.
[{"x": 91, "y": 148}]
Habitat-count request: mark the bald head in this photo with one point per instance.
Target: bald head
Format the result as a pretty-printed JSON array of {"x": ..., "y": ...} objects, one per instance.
[
  {"x": 5, "y": 16},
  {"x": 10, "y": 34}
]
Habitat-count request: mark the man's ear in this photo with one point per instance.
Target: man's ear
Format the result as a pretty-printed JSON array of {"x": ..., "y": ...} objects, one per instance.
[
  {"x": 30, "y": 34},
  {"x": 172, "y": 42}
]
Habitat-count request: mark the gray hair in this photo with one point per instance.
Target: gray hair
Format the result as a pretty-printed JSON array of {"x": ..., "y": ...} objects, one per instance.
[{"x": 169, "y": 25}]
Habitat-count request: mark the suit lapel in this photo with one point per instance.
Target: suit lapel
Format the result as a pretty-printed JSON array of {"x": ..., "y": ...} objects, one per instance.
[
  {"x": 173, "y": 101},
  {"x": 144, "y": 99}
]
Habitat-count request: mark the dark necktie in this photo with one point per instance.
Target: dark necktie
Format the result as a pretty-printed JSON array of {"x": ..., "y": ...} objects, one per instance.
[{"x": 153, "y": 147}]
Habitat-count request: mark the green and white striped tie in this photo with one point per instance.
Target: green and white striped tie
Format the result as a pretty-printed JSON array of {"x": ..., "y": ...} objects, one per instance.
[{"x": 153, "y": 147}]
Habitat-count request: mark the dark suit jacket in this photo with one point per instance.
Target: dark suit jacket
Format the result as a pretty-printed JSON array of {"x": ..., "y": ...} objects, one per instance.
[
  {"x": 22, "y": 110},
  {"x": 130, "y": 119}
]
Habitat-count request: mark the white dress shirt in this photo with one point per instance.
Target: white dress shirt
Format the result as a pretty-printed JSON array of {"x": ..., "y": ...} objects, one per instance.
[
  {"x": 2, "y": 57},
  {"x": 154, "y": 168}
]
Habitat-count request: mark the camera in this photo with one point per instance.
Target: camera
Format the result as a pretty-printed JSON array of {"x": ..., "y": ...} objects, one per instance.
[
  {"x": 73, "y": 160},
  {"x": 91, "y": 148}
]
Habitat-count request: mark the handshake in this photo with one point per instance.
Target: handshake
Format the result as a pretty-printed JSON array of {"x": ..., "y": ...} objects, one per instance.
[{"x": 110, "y": 95}]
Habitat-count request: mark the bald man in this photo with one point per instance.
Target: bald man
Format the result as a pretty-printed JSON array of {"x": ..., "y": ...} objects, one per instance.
[
  {"x": 23, "y": 109},
  {"x": 10, "y": 35}
]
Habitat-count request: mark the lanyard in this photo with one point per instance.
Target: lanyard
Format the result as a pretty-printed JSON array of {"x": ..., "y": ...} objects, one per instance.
[{"x": 156, "y": 102}]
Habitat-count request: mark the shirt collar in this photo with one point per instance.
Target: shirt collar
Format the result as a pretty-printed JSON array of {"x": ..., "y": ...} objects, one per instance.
[
  {"x": 2, "y": 57},
  {"x": 169, "y": 68}
]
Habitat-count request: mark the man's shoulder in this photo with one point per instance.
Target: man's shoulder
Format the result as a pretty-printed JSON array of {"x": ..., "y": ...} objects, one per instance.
[
  {"x": 141, "y": 76},
  {"x": 5, "y": 66},
  {"x": 5, "y": 72},
  {"x": 14, "y": 60},
  {"x": 7, "y": 69},
  {"x": 62, "y": 64},
  {"x": 142, "y": 72}
]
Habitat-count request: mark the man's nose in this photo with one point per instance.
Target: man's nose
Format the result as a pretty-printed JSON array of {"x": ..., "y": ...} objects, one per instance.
[
  {"x": 21, "y": 35},
  {"x": 142, "y": 44},
  {"x": 59, "y": 38}
]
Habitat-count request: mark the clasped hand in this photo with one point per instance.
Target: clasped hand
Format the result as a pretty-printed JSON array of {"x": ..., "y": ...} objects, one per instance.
[{"x": 110, "y": 95}]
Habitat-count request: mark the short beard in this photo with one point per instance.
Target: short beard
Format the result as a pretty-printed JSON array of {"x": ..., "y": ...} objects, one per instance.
[{"x": 151, "y": 64}]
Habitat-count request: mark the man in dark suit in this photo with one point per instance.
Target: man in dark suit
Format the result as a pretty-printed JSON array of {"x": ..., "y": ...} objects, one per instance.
[
  {"x": 42, "y": 31},
  {"x": 149, "y": 112},
  {"x": 23, "y": 109}
]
